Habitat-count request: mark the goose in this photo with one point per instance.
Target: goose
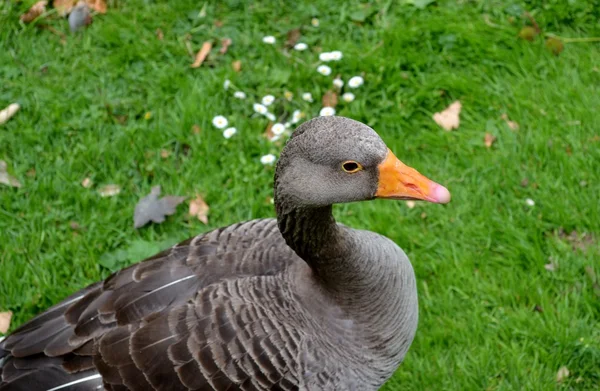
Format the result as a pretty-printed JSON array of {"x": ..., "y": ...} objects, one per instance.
[{"x": 294, "y": 303}]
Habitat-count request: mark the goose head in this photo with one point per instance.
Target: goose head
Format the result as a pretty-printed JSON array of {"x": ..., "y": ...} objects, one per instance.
[{"x": 331, "y": 160}]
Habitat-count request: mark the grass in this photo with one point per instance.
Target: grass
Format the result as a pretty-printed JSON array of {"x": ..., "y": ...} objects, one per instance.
[{"x": 480, "y": 261}]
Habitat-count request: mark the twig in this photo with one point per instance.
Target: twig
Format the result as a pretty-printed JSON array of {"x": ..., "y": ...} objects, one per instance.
[{"x": 533, "y": 22}]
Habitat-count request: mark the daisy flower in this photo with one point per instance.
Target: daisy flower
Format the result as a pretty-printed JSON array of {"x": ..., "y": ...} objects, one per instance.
[
  {"x": 277, "y": 129},
  {"x": 336, "y": 55},
  {"x": 260, "y": 109},
  {"x": 348, "y": 97},
  {"x": 324, "y": 70},
  {"x": 268, "y": 159},
  {"x": 300, "y": 46},
  {"x": 269, "y": 39},
  {"x": 355, "y": 82},
  {"x": 307, "y": 96},
  {"x": 270, "y": 116},
  {"x": 239, "y": 95},
  {"x": 339, "y": 83},
  {"x": 530, "y": 202},
  {"x": 227, "y": 133},
  {"x": 220, "y": 122},
  {"x": 325, "y": 56},
  {"x": 315, "y": 22},
  {"x": 267, "y": 100},
  {"x": 226, "y": 84},
  {"x": 327, "y": 111},
  {"x": 297, "y": 116}
]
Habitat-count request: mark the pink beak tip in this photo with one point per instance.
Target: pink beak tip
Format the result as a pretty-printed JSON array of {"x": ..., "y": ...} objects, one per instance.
[{"x": 441, "y": 195}]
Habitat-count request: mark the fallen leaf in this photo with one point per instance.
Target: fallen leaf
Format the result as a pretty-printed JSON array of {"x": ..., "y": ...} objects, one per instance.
[
  {"x": 449, "y": 118},
  {"x": 330, "y": 99},
  {"x": 225, "y": 45},
  {"x": 196, "y": 129},
  {"x": 199, "y": 209},
  {"x": 165, "y": 153},
  {"x": 489, "y": 140},
  {"x": 292, "y": 37},
  {"x": 8, "y": 112},
  {"x": 562, "y": 374},
  {"x": 160, "y": 35},
  {"x": 236, "y": 65},
  {"x": 555, "y": 45},
  {"x": 31, "y": 173},
  {"x": 511, "y": 124},
  {"x": 150, "y": 208},
  {"x": 63, "y": 7},
  {"x": 7, "y": 179},
  {"x": 74, "y": 225},
  {"x": 97, "y": 5},
  {"x": 525, "y": 182},
  {"x": 36, "y": 10},
  {"x": 87, "y": 183},
  {"x": 109, "y": 190},
  {"x": 202, "y": 54},
  {"x": 5, "y": 321}
]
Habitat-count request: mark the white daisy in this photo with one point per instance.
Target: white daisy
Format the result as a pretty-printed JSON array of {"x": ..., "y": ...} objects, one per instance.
[
  {"x": 260, "y": 109},
  {"x": 226, "y": 84},
  {"x": 227, "y": 133},
  {"x": 307, "y": 96},
  {"x": 327, "y": 111},
  {"x": 355, "y": 82},
  {"x": 277, "y": 129},
  {"x": 348, "y": 97},
  {"x": 220, "y": 122},
  {"x": 339, "y": 83},
  {"x": 336, "y": 55},
  {"x": 268, "y": 159},
  {"x": 314, "y": 22},
  {"x": 324, "y": 70},
  {"x": 297, "y": 115},
  {"x": 269, "y": 39},
  {"x": 239, "y": 95},
  {"x": 270, "y": 116},
  {"x": 530, "y": 202},
  {"x": 300, "y": 46},
  {"x": 267, "y": 100},
  {"x": 325, "y": 56}
]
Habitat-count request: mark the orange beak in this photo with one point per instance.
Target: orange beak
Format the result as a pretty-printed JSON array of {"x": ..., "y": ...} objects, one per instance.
[{"x": 400, "y": 182}]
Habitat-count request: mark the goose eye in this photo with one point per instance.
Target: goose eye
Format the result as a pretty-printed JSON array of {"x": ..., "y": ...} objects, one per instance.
[{"x": 351, "y": 167}]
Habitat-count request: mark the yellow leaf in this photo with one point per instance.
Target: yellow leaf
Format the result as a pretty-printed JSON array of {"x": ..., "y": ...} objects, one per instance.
[
  {"x": 450, "y": 117},
  {"x": 202, "y": 54}
]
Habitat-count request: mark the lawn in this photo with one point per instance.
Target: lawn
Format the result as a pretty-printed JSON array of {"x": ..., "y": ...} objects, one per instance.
[{"x": 509, "y": 291}]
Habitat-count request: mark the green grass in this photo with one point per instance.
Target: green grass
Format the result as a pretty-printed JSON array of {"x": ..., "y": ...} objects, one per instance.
[{"x": 479, "y": 261}]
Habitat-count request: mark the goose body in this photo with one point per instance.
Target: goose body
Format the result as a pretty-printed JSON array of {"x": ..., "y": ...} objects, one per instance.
[{"x": 294, "y": 303}]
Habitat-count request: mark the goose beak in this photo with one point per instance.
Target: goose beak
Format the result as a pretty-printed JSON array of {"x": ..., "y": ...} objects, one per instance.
[{"x": 398, "y": 181}]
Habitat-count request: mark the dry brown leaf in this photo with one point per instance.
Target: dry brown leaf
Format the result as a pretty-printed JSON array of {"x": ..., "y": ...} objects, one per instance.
[
  {"x": 160, "y": 35},
  {"x": 489, "y": 140},
  {"x": 36, "y": 10},
  {"x": 218, "y": 23},
  {"x": 268, "y": 134},
  {"x": 5, "y": 321},
  {"x": 450, "y": 117},
  {"x": 8, "y": 112},
  {"x": 165, "y": 153},
  {"x": 292, "y": 37},
  {"x": 5, "y": 178},
  {"x": 97, "y": 5},
  {"x": 196, "y": 129},
  {"x": 236, "y": 65},
  {"x": 511, "y": 124},
  {"x": 202, "y": 54},
  {"x": 31, "y": 173},
  {"x": 562, "y": 374},
  {"x": 87, "y": 183},
  {"x": 199, "y": 209},
  {"x": 330, "y": 99},
  {"x": 109, "y": 190},
  {"x": 63, "y": 7},
  {"x": 225, "y": 45},
  {"x": 151, "y": 208}
]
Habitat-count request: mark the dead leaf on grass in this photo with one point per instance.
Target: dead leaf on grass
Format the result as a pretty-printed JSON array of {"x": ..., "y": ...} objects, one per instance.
[
  {"x": 5, "y": 178},
  {"x": 236, "y": 65},
  {"x": 63, "y": 7},
  {"x": 97, "y": 5},
  {"x": 225, "y": 45},
  {"x": 165, "y": 153},
  {"x": 5, "y": 321},
  {"x": 292, "y": 37},
  {"x": 202, "y": 54},
  {"x": 489, "y": 140},
  {"x": 199, "y": 209},
  {"x": 578, "y": 240},
  {"x": 87, "y": 183},
  {"x": 9, "y": 112},
  {"x": 562, "y": 374},
  {"x": 151, "y": 208},
  {"x": 109, "y": 190},
  {"x": 511, "y": 124},
  {"x": 330, "y": 99},
  {"x": 36, "y": 10},
  {"x": 449, "y": 118},
  {"x": 160, "y": 35},
  {"x": 196, "y": 129}
]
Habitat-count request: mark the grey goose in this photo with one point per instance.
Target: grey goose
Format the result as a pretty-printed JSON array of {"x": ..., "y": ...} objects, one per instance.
[{"x": 294, "y": 303}]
